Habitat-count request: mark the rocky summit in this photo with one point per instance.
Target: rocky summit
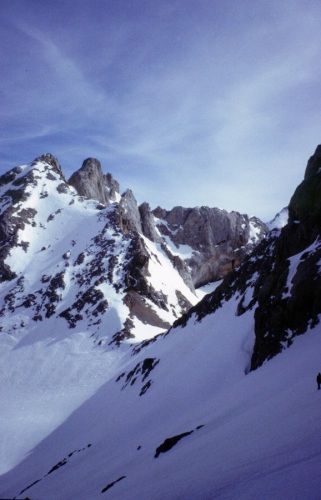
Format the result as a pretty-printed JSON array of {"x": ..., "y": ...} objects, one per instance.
[{"x": 120, "y": 378}]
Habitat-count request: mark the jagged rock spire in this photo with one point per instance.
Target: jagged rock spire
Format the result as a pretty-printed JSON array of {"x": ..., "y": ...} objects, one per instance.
[{"x": 89, "y": 181}]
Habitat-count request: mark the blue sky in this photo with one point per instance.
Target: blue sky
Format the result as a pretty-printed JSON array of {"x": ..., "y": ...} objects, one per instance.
[{"x": 186, "y": 102}]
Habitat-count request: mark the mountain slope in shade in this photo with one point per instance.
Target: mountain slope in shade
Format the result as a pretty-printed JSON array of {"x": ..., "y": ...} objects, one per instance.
[{"x": 222, "y": 405}]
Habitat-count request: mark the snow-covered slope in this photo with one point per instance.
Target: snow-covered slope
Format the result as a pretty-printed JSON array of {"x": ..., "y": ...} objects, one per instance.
[
  {"x": 181, "y": 419},
  {"x": 74, "y": 283},
  {"x": 280, "y": 220},
  {"x": 216, "y": 407}
]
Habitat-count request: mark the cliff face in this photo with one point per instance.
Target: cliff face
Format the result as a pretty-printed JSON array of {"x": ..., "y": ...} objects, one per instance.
[
  {"x": 289, "y": 303},
  {"x": 218, "y": 240}
]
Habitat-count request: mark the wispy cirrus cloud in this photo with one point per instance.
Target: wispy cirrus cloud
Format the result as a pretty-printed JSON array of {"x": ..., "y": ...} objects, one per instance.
[{"x": 186, "y": 102}]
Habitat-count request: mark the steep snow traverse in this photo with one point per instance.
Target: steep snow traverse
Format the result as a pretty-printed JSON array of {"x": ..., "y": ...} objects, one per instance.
[{"x": 148, "y": 353}]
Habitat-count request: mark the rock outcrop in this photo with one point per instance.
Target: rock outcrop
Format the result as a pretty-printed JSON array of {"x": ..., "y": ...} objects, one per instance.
[
  {"x": 148, "y": 223},
  {"x": 129, "y": 216},
  {"x": 289, "y": 303},
  {"x": 218, "y": 240},
  {"x": 89, "y": 181},
  {"x": 52, "y": 162}
]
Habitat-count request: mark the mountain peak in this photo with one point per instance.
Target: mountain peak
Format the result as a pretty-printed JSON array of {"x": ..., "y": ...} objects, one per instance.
[
  {"x": 52, "y": 162},
  {"x": 314, "y": 164}
]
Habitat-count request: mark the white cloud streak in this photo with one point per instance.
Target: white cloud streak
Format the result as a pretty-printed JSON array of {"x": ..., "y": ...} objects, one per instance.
[{"x": 180, "y": 112}]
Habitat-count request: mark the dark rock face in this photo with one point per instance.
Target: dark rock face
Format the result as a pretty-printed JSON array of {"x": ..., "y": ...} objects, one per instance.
[
  {"x": 314, "y": 164},
  {"x": 89, "y": 181},
  {"x": 110, "y": 485},
  {"x": 290, "y": 301},
  {"x": 219, "y": 240},
  {"x": 170, "y": 442},
  {"x": 139, "y": 373}
]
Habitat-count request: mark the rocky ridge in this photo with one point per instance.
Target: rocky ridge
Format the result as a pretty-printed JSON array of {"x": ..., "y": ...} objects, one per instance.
[
  {"x": 120, "y": 257},
  {"x": 216, "y": 241},
  {"x": 98, "y": 279}
]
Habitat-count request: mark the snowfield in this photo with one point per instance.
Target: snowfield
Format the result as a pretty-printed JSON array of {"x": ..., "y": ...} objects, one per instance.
[{"x": 254, "y": 436}]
